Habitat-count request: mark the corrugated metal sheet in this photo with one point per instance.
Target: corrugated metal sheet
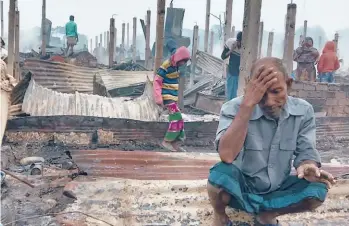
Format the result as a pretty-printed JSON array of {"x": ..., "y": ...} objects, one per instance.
[
  {"x": 147, "y": 165},
  {"x": 41, "y": 101},
  {"x": 210, "y": 64},
  {"x": 61, "y": 77}
]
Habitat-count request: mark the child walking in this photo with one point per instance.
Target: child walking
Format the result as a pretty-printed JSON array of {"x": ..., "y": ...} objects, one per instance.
[{"x": 166, "y": 94}]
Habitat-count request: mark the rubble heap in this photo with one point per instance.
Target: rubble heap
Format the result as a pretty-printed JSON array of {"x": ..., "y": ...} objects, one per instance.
[
  {"x": 129, "y": 66},
  {"x": 83, "y": 58}
]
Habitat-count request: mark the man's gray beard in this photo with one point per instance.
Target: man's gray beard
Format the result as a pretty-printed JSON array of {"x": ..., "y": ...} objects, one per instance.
[{"x": 274, "y": 115}]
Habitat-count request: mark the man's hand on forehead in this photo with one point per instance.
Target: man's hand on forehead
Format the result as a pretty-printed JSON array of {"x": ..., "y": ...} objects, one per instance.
[{"x": 262, "y": 78}]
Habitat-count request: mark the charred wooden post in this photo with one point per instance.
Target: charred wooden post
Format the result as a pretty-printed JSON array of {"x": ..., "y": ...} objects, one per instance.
[
  {"x": 122, "y": 42},
  {"x": 128, "y": 36},
  {"x": 116, "y": 37},
  {"x": 43, "y": 29},
  {"x": 115, "y": 41},
  {"x": 147, "y": 41},
  {"x": 101, "y": 40},
  {"x": 108, "y": 41},
  {"x": 233, "y": 31},
  {"x": 17, "y": 32},
  {"x": 336, "y": 39},
  {"x": 96, "y": 41},
  {"x": 270, "y": 44},
  {"x": 105, "y": 40},
  {"x": 193, "y": 55},
  {"x": 260, "y": 42},
  {"x": 159, "y": 33},
  {"x": 134, "y": 40},
  {"x": 252, "y": 15},
  {"x": 228, "y": 19},
  {"x": 289, "y": 36},
  {"x": 111, "y": 41},
  {"x": 211, "y": 43},
  {"x": 305, "y": 29},
  {"x": 207, "y": 24},
  {"x": 2, "y": 18},
  {"x": 11, "y": 37}
]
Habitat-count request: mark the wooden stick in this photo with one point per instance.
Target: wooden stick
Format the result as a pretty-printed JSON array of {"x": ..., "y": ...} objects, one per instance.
[{"x": 21, "y": 180}]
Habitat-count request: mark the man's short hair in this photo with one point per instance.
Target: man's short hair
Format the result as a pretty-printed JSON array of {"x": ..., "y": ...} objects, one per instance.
[
  {"x": 71, "y": 17},
  {"x": 276, "y": 62},
  {"x": 239, "y": 36}
]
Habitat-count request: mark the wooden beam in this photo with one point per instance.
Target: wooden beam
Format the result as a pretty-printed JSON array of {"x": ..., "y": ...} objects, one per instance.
[
  {"x": 17, "y": 32},
  {"x": 336, "y": 39},
  {"x": 159, "y": 33},
  {"x": 43, "y": 29},
  {"x": 134, "y": 40},
  {"x": 260, "y": 41},
  {"x": 193, "y": 54},
  {"x": 147, "y": 41},
  {"x": 11, "y": 37},
  {"x": 270, "y": 44},
  {"x": 289, "y": 36},
  {"x": 207, "y": 24},
  {"x": 128, "y": 36},
  {"x": 115, "y": 41},
  {"x": 305, "y": 29},
  {"x": 111, "y": 42},
  {"x": 101, "y": 40},
  {"x": 122, "y": 49},
  {"x": 252, "y": 15},
  {"x": 105, "y": 40},
  {"x": 108, "y": 41},
  {"x": 211, "y": 42},
  {"x": 228, "y": 19},
  {"x": 123, "y": 34}
]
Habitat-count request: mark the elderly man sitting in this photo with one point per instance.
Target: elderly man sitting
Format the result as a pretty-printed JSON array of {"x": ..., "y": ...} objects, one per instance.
[{"x": 257, "y": 137}]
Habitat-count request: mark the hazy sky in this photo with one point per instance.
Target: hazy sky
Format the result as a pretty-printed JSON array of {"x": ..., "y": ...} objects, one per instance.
[{"x": 92, "y": 16}]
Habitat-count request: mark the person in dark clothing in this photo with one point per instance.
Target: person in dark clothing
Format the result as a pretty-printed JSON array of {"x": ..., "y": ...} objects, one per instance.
[
  {"x": 2, "y": 43},
  {"x": 232, "y": 49}
]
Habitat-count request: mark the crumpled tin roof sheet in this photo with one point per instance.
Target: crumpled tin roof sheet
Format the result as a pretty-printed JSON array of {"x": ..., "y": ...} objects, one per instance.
[
  {"x": 61, "y": 77},
  {"x": 41, "y": 101},
  {"x": 162, "y": 189},
  {"x": 113, "y": 79}
]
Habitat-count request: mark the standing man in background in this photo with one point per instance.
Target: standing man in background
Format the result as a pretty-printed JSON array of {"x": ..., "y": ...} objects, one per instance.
[
  {"x": 232, "y": 49},
  {"x": 71, "y": 32}
]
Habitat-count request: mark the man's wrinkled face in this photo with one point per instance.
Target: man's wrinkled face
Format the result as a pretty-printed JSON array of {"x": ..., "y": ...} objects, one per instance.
[
  {"x": 275, "y": 97},
  {"x": 238, "y": 43}
]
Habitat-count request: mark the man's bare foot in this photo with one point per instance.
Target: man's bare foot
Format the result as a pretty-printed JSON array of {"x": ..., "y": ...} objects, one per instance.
[
  {"x": 168, "y": 146},
  {"x": 267, "y": 218},
  {"x": 220, "y": 219}
]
